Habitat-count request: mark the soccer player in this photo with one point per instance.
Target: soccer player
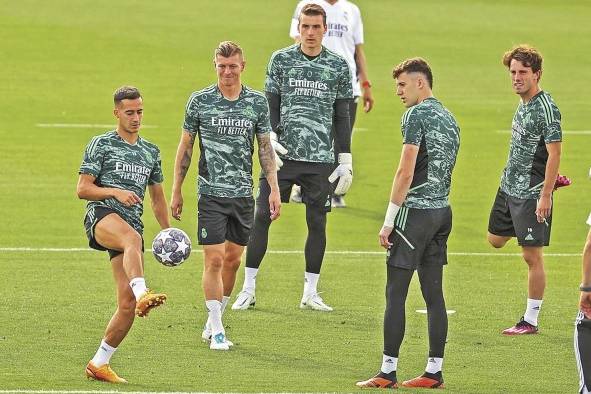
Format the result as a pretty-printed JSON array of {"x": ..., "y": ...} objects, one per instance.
[
  {"x": 523, "y": 205},
  {"x": 226, "y": 117},
  {"x": 115, "y": 171},
  {"x": 582, "y": 336},
  {"x": 418, "y": 221},
  {"x": 307, "y": 85},
  {"x": 345, "y": 37}
]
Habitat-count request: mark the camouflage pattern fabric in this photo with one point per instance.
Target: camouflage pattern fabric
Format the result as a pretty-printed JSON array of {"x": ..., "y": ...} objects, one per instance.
[
  {"x": 119, "y": 164},
  {"x": 535, "y": 124},
  {"x": 226, "y": 132},
  {"x": 308, "y": 90},
  {"x": 434, "y": 129}
]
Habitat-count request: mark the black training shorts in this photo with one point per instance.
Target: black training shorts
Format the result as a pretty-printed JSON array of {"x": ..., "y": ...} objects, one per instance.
[
  {"x": 311, "y": 177},
  {"x": 516, "y": 217},
  {"x": 222, "y": 218},
  {"x": 419, "y": 237},
  {"x": 93, "y": 216}
]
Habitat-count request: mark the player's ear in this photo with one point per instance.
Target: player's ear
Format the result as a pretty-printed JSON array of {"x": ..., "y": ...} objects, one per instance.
[
  {"x": 242, "y": 65},
  {"x": 116, "y": 112},
  {"x": 539, "y": 75}
]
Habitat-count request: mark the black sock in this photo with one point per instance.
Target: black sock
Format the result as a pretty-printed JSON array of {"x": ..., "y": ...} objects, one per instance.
[{"x": 435, "y": 376}]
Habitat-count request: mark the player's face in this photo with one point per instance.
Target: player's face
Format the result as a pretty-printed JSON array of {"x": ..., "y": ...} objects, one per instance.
[
  {"x": 407, "y": 88},
  {"x": 229, "y": 69},
  {"x": 311, "y": 29},
  {"x": 129, "y": 115},
  {"x": 523, "y": 79}
]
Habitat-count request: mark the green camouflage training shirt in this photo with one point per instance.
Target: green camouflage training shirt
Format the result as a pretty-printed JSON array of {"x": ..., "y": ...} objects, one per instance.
[
  {"x": 535, "y": 124},
  {"x": 308, "y": 90},
  {"x": 116, "y": 163},
  {"x": 431, "y": 127},
  {"x": 226, "y": 131}
]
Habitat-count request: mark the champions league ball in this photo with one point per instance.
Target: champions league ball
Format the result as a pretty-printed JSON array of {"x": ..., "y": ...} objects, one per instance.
[{"x": 171, "y": 247}]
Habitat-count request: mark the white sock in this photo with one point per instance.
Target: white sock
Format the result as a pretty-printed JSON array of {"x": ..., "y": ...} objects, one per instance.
[
  {"x": 310, "y": 283},
  {"x": 532, "y": 311},
  {"x": 138, "y": 286},
  {"x": 389, "y": 364},
  {"x": 103, "y": 354},
  {"x": 250, "y": 276},
  {"x": 434, "y": 364},
  {"x": 225, "y": 301},
  {"x": 214, "y": 310}
]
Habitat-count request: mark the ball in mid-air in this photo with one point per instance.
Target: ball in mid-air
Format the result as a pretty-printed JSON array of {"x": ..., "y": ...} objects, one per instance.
[{"x": 171, "y": 247}]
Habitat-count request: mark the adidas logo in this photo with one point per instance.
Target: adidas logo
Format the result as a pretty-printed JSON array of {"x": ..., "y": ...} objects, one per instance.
[
  {"x": 529, "y": 238},
  {"x": 536, "y": 308},
  {"x": 389, "y": 361}
]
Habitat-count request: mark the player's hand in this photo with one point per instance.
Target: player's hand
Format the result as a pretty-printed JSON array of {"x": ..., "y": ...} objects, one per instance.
[
  {"x": 543, "y": 208},
  {"x": 585, "y": 303},
  {"x": 367, "y": 99},
  {"x": 384, "y": 235},
  {"x": 126, "y": 197},
  {"x": 278, "y": 149},
  {"x": 176, "y": 205},
  {"x": 275, "y": 204},
  {"x": 344, "y": 172}
]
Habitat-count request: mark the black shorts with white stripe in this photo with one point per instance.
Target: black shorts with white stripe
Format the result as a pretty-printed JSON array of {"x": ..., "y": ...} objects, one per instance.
[
  {"x": 582, "y": 342},
  {"x": 419, "y": 237}
]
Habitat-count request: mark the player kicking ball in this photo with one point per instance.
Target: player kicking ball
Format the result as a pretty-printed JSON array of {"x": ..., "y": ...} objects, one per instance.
[
  {"x": 226, "y": 117},
  {"x": 116, "y": 169}
]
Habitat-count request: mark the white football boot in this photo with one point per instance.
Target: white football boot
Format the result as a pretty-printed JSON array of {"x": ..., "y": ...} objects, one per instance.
[
  {"x": 206, "y": 334},
  {"x": 219, "y": 342},
  {"x": 315, "y": 302},
  {"x": 244, "y": 301}
]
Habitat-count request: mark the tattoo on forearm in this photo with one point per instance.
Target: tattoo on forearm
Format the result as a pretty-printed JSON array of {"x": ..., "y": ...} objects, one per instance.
[
  {"x": 266, "y": 155},
  {"x": 185, "y": 163}
]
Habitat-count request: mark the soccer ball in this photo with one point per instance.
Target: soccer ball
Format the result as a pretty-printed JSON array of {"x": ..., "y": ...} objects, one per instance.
[{"x": 171, "y": 247}]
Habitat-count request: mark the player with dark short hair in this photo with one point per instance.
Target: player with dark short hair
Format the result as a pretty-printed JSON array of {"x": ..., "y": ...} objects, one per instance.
[
  {"x": 225, "y": 117},
  {"x": 306, "y": 85},
  {"x": 116, "y": 169},
  {"x": 523, "y": 204},
  {"x": 418, "y": 222}
]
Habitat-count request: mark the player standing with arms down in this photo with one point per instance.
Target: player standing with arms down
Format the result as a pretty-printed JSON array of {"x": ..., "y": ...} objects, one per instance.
[
  {"x": 225, "y": 117},
  {"x": 345, "y": 37},
  {"x": 306, "y": 85},
  {"x": 116, "y": 169},
  {"x": 418, "y": 222},
  {"x": 523, "y": 205}
]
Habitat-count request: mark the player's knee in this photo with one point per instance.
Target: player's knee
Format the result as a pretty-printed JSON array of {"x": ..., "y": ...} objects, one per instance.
[
  {"x": 533, "y": 258},
  {"x": 133, "y": 241},
  {"x": 587, "y": 248},
  {"x": 214, "y": 262},
  {"x": 126, "y": 307},
  {"x": 495, "y": 241},
  {"x": 316, "y": 220}
]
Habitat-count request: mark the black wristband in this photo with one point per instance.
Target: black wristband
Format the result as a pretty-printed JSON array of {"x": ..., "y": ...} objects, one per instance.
[{"x": 585, "y": 288}]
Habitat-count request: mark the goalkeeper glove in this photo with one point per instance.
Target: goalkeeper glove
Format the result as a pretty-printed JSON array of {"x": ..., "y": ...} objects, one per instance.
[
  {"x": 344, "y": 172},
  {"x": 278, "y": 149}
]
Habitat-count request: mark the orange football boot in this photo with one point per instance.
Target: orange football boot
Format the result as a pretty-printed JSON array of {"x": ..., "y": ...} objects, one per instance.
[
  {"x": 380, "y": 381},
  {"x": 104, "y": 373},
  {"x": 147, "y": 302},
  {"x": 424, "y": 382}
]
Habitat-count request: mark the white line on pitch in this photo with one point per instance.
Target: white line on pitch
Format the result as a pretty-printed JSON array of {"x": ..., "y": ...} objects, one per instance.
[
  {"x": 85, "y": 126},
  {"x": 23, "y": 391},
  {"x": 337, "y": 252},
  {"x": 571, "y": 132}
]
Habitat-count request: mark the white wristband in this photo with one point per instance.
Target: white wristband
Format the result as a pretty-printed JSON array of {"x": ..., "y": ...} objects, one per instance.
[{"x": 391, "y": 214}]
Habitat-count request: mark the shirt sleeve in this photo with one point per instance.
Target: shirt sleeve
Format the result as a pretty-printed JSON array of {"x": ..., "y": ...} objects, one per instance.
[
  {"x": 550, "y": 121},
  {"x": 412, "y": 128},
  {"x": 358, "y": 28},
  {"x": 263, "y": 122},
  {"x": 295, "y": 19},
  {"x": 156, "y": 175},
  {"x": 273, "y": 78},
  {"x": 191, "y": 123},
  {"x": 92, "y": 162},
  {"x": 345, "y": 88}
]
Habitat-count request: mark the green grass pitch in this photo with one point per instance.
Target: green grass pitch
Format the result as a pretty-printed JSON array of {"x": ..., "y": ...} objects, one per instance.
[{"x": 60, "y": 61}]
